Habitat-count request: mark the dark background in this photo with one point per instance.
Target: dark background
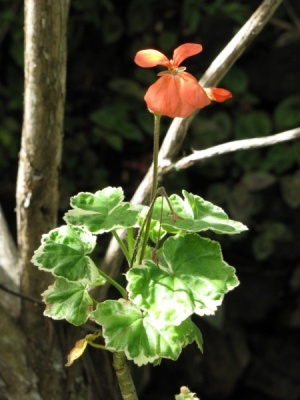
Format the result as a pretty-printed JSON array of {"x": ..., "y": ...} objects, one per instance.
[{"x": 252, "y": 345}]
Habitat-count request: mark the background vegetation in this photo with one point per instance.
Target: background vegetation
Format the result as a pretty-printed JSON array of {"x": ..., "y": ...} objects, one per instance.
[{"x": 252, "y": 346}]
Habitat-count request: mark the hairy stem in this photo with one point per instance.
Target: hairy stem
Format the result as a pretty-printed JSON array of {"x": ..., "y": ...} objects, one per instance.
[
  {"x": 124, "y": 378},
  {"x": 154, "y": 182}
]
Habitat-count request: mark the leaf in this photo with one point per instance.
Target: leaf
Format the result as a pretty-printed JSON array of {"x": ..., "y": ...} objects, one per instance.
[
  {"x": 139, "y": 17},
  {"x": 252, "y": 124},
  {"x": 279, "y": 158},
  {"x": 68, "y": 300},
  {"x": 77, "y": 351},
  {"x": 101, "y": 212},
  {"x": 258, "y": 180},
  {"x": 286, "y": 114},
  {"x": 290, "y": 189},
  {"x": 211, "y": 130},
  {"x": 241, "y": 203},
  {"x": 191, "y": 278},
  {"x": 128, "y": 329},
  {"x": 126, "y": 86},
  {"x": 263, "y": 247},
  {"x": 80, "y": 347},
  {"x": 112, "y": 28},
  {"x": 63, "y": 253},
  {"x": 237, "y": 80},
  {"x": 194, "y": 215}
]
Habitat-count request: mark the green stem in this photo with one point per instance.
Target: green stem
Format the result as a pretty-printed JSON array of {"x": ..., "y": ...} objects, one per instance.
[
  {"x": 122, "y": 245},
  {"x": 154, "y": 181},
  {"x": 96, "y": 345},
  {"x": 155, "y": 155},
  {"x": 124, "y": 378},
  {"x": 130, "y": 241},
  {"x": 114, "y": 283}
]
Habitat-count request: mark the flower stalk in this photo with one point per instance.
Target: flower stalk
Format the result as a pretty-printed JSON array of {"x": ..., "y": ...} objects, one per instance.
[
  {"x": 124, "y": 378},
  {"x": 154, "y": 182}
]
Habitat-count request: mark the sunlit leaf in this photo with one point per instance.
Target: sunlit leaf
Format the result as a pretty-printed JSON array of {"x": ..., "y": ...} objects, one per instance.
[
  {"x": 101, "y": 212},
  {"x": 193, "y": 214},
  {"x": 126, "y": 328},
  {"x": 191, "y": 278},
  {"x": 63, "y": 252},
  {"x": 68, "y": 300}
]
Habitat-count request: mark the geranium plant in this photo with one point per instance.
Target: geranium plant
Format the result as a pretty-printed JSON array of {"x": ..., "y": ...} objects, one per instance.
[{"x": 172, "y": 271}]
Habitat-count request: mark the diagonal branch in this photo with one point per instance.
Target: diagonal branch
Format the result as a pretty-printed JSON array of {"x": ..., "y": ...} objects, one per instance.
[
  {"x": 231, "y": 147},
  {"x": 178, "y": 128}
]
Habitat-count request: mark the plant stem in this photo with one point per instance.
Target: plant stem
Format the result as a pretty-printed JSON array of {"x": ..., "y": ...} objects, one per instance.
[
  {"x": 154, "y": 181},
  {"x": 124, "y": 378},
  {"x": 122, "y": 245},
  {"x": 114, "y": 283},
  {"x": 155, "y": 155},
  {"x": 130, "y": 241}
]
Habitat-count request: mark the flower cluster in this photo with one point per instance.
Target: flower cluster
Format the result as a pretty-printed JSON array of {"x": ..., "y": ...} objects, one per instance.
[{"x": 176, "y": 93}]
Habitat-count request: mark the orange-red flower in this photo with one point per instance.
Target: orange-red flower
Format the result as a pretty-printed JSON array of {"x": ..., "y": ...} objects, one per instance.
[{"x": 176, "y": 93}]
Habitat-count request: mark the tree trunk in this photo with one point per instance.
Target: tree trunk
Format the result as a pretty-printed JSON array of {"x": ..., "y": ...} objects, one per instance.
[
  {"x": 37, "y": 185},
  {"x": 35, "y": 369}
]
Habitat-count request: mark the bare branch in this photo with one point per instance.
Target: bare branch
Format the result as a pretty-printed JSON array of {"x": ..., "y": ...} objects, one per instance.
[{"x": 231, "y": 147}]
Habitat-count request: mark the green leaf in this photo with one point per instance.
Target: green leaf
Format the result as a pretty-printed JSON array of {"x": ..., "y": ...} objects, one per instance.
[
  {"x": 101, "y": 212},
  {"x": 112, "y": 28},
  {"x": 63, "y": 253},
  {"x": 263, "y": 247},
  {"x": 236, "y": 80},
  {"x": 252, "y": 124},
  {"x": 68, "y": 300},
  {"x": 286, "y": 114},
  {"x": 259, "y": 180},
  {"x": 279, "y": 158},
  {"x": 139, "y": 17},
  {"x": 194, "y": 215},
  {"x": 128, "y": 329},
  {"x": 191, "y": 278},
  {"x": 126, "y": 86},
  {"x": 290, "y": 189}
]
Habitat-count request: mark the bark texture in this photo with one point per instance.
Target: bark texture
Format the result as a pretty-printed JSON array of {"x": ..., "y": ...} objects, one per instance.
[
  {"x": 40, "y": 156},
  {"x": 37, "y": 362},
  {"x": 37, "y": 185}
]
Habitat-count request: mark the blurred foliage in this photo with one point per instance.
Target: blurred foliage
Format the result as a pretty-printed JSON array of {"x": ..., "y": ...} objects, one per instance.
[{"x": 108, "y": 131}]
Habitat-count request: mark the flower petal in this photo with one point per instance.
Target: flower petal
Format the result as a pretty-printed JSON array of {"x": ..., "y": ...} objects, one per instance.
[
  {"x": 191, "y": 92},
  {"x": 218, "y": 94},
  {"x": 150, "y": 58},
  {"x": 184, "y": 51},
  {"x": 176, "y": 96},
  {"x": 162, "y": 97}
]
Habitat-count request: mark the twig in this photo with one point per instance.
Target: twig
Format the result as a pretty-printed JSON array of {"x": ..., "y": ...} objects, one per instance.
[{"x": 231, "y": 147}]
